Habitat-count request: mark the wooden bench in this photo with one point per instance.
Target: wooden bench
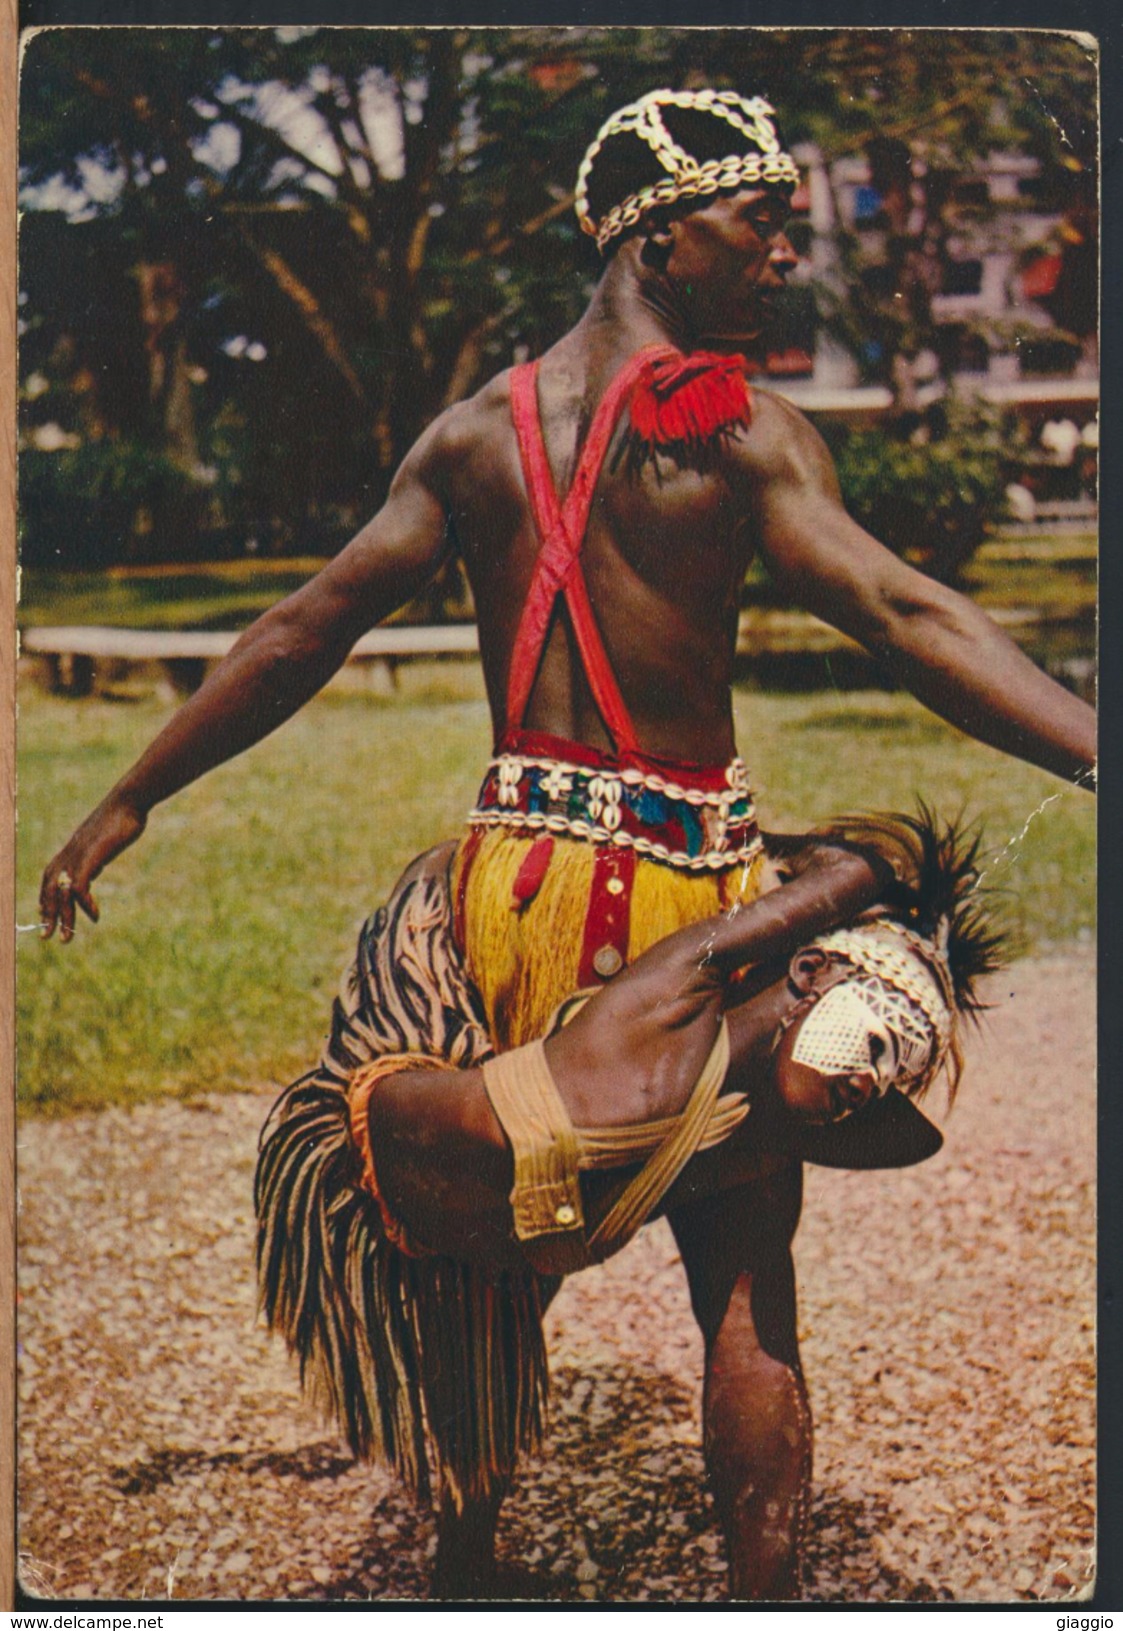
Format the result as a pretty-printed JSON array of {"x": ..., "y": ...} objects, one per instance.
[
  {"x": 785, "y": 648},
  {"x": 72, "y": 655}
]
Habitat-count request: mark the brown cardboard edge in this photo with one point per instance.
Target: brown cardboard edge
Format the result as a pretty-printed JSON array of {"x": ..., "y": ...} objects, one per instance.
[{"x": 8, "y": 98}]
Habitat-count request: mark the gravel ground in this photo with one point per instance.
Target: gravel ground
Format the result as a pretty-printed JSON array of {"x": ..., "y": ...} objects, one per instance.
[{"x": 947, "y": 1322}]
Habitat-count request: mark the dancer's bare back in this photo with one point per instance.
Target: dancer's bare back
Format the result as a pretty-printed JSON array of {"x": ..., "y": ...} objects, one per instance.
[{"x": 664, "y": 557}]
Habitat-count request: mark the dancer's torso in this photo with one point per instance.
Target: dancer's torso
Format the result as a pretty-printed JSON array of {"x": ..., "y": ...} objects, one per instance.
[{"x": 663, "y": 556}]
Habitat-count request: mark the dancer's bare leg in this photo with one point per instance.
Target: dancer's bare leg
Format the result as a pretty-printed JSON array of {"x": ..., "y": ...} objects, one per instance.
[
  {"x": 465, "y": 1561},
  {"x": 465, "y": 1565},
  {"x": 736, "y": 1249}
]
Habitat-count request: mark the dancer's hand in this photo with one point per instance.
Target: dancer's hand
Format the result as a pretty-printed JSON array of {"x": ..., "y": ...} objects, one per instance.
[{"x": 67, "y": 880}]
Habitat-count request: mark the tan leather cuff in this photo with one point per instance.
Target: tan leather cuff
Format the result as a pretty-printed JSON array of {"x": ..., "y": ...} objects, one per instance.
[
  {"x": 546, "y": 1198},
  {"x": 549, "y": 1152}
]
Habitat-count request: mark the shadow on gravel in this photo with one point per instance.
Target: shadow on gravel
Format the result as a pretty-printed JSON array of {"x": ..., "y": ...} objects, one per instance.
[
  {"x": 391, "y": 1562},
  {"x": 310, "y": 1463},
  {"x": 618, "y": 1510},
  {"x": 842, "y": 1558},
  {"x": 615, "y": 1510}
]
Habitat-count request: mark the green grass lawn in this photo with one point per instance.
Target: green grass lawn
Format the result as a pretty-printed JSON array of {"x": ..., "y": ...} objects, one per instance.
[
  {"x": 225, "y": 930},
  {"x": 218, "y": 595},
  {"x": 1057, "y": 575}
]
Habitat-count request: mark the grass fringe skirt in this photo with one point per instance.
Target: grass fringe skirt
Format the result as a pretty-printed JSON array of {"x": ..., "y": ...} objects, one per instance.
[
  {"x": 427, "y": 1363},
  {"x": 431, "y": 1364},
  {"x": 524, "y": 960}
]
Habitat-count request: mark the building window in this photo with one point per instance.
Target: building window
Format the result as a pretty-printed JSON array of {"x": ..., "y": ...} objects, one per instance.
[
  {"x": 868, "y": 207},
  {"x": 801, "y": 235},
  {"x": 961, "y": 350},
  {"x": 974, "y": 355},
  {"x": 974, "y": 194},
  {"x": 1047, "y": 356},
  {"x": 880, "y": 281},
  {"x": 963, "y": 277}
]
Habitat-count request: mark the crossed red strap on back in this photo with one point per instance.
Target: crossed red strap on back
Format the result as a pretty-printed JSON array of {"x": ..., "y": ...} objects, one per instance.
[{"x": 561, "y": 534}]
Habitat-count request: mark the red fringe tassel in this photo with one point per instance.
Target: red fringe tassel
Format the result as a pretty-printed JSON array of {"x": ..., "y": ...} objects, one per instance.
[
  {"x": 689, "y": 399},
  {"x": 530, "y": 875}
]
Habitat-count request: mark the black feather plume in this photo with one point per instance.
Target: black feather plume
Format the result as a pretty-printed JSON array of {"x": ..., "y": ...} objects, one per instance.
[{"x": 937, "y": 872}]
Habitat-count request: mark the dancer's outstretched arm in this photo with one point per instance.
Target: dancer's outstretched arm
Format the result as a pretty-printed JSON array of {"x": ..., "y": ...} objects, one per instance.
[
  {"x": 273, "y": 669},
  {"x": 938, "y": 643}
]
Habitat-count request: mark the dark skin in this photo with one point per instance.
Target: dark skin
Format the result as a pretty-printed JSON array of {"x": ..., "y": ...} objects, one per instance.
[
  {"x": 665, "y": 556},
  {"x": 633, "y": 1054}
]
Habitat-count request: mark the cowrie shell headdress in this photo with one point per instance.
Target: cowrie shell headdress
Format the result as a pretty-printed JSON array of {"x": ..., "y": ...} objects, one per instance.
[{"x": 748, "y": 119}]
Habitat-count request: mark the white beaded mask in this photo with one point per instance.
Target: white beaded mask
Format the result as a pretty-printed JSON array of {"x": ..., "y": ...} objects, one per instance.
[{"x": 862, "y": 1026}]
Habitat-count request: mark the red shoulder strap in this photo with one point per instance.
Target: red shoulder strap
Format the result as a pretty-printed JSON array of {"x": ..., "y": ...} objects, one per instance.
[{"x": 561, "y": 534}]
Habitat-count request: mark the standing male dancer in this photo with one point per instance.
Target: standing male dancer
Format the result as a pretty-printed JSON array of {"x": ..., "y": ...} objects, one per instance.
[{"x": 616, "y": 809}]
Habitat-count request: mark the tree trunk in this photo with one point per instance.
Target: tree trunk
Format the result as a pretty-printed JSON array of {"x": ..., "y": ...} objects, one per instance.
[{"x": 173, "y": 509}]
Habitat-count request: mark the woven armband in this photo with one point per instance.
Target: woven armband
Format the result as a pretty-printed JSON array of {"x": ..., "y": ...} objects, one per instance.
[
  {"x": 546, "y": 1198},
  {"x": 364, "y": 1083}
]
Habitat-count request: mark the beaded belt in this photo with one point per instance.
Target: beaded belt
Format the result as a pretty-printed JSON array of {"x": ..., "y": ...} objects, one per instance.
[{"x": 701, "y": 828}]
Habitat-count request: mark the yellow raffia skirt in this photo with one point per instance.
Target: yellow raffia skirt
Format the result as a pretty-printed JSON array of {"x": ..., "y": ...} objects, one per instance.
[{"x": 524, "y": 958}]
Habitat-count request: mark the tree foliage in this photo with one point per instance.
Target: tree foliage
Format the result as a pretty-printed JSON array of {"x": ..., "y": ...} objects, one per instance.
[{"x": 273, "y": 255}]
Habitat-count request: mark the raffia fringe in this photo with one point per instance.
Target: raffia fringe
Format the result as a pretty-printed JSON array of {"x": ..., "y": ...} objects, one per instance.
[
  {"x": 426, "y": 1363},
  {"x": 398, "y": 1351},
  {"x": 524, "y": 959}
]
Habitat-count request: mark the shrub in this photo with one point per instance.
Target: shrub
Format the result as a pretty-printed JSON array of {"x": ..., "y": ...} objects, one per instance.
[
  {"x": 99, "y": 503},
  {"x": 931, "y": 495}
]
